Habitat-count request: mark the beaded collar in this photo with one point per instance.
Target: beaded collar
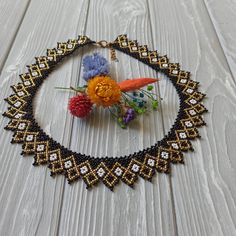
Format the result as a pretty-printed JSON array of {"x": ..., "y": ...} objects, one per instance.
[{"x": 109, "y": 170}]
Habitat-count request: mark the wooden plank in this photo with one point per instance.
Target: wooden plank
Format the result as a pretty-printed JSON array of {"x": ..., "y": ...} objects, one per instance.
[
  {"x": 204, "y": 189},
  {"x": 30, "y": 198},
  {"x": 148, "y": 209},
  {"x": 223, "y": 17},
  {"x": 12, "y": 14}
]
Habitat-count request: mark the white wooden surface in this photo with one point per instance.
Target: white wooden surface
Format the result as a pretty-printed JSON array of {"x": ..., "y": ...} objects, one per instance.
[{"x": 199, "y": 197}]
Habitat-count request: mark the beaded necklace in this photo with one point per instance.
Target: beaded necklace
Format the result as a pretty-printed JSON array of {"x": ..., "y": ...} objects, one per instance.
[{"x": 109, "y": 170}]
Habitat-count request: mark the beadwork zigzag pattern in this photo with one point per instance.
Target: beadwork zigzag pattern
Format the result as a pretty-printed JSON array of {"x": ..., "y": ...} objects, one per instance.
[{"x": 108, "y": 170}]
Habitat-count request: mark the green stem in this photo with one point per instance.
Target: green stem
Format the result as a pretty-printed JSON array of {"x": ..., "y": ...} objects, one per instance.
[{"x": 79, "y": 89}]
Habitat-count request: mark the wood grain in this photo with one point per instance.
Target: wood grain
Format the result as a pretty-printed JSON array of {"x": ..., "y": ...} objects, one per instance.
[
  {"x": 30, "y": 198},
  {"x": 204, "y": 195},
  {"x": 222, "y": 14},
  {"x": 198, "y": 198},
  {"x": 12, "y": 13}
]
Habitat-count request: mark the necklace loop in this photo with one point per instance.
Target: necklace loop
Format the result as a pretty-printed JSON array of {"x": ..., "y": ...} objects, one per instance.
[{"x": 103, "y": 43}]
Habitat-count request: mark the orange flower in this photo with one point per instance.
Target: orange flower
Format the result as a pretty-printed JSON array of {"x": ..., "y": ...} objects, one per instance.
[{"x": 103, "y": 91}]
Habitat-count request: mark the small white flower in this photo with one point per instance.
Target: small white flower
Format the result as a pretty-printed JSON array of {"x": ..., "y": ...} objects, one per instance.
[
  {"x": 135, "y": 168},
  {"x": 59, "y": 51},
  {"x": 52, "y": 156},
  {"x": 124, "y": 44},
  {"x": 154, "y": 59},
  {"x": 134, "y": 48},
  {"x": 68, "y": 164},
  {"x": 100, "y": 172},
  {"x": 151, "y": 162},
  {"x": 175, "y": 72},
  {"x": 50, "y": 58},
  {"x": 83, "y": 170},
  {"x": 165, "y": 155},
  {"x": 69, "y": 46},
  {"x": 118, "y": 171}
]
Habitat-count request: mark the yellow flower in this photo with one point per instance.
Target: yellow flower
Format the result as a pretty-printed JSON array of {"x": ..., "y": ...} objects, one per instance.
[{"x": 103, "y": 91}]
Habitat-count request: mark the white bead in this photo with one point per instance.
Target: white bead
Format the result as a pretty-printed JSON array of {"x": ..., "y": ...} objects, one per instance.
[
  {"x": 53, "y": 157},
  {"x": 118, "y": 171},
  {"x": 193, "y": 101},
  {"x": 27, "y": 82},
  {"x": 135, "y": 168},
  {"x": 100, "y": 172},
  {"x": 21, "y": 126},
  {"x": 189, "y": 90},
  {"x": 35, "y": 73},
  {"x": 151, "y": 162},
  {"x": 21, "y": 93},
  {"x": 17, "y": 104},
  {"x": 18, "y": 115},
  {"x": 192, "y": 112},
  {"x": 175, "y": 145},
  {"x": 182, "y": 135},
  {"x": 165, "y": 65},
  {"x": 29, "y": 137},
  {"x": 41, "y": 65},
  {"x": 84, "y": 170},
  {"x": 183, "y": 81},
  {"x": 188, "y": 123},
  {"x": 165, "y": 155},
  {"x": 68, "y": 164},
  {"x": 144, "y": 54},
  {"x": 40, "y": 148}
]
